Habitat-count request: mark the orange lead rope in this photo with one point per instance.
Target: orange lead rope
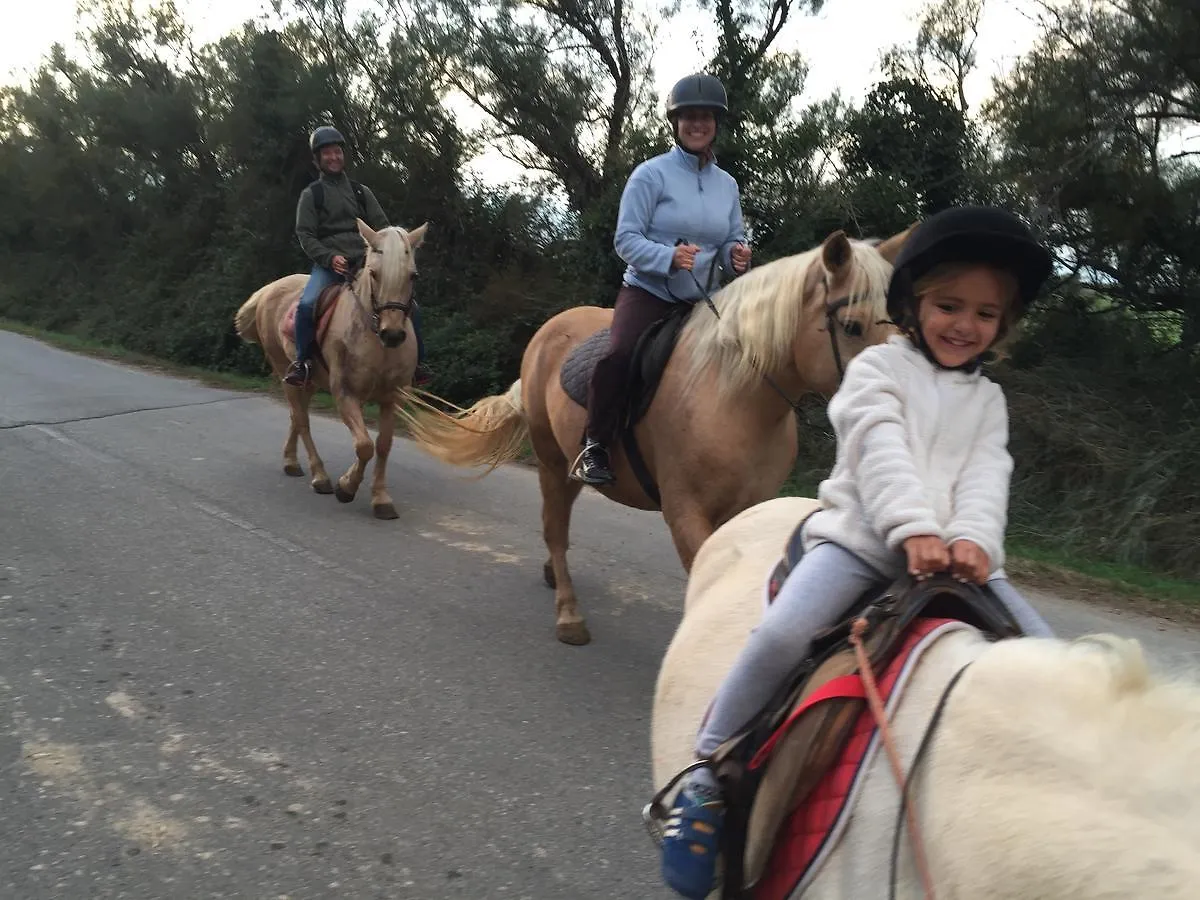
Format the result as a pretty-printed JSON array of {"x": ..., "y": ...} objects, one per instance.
[{"x": 857, "y": 630}]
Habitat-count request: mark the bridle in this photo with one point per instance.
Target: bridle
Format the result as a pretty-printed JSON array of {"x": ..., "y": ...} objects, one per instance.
[
  {"x": 404, "y": 306},
  {"x": 832, "y": 325}
]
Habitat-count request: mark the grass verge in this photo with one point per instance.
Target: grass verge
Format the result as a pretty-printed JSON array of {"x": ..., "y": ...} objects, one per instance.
[{"x": 1044, "y": 567}]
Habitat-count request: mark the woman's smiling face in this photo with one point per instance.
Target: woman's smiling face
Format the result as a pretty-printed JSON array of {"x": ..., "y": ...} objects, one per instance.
[{"x": 696, "y": 128}]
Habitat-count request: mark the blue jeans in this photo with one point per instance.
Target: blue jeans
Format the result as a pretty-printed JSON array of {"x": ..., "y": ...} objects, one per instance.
[
  {"x": 306, "y": 325},
  {"x": 415, "y": 318}
]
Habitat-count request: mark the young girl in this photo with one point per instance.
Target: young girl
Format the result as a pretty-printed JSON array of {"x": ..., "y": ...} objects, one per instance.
[{"x": 921, "y": 480}]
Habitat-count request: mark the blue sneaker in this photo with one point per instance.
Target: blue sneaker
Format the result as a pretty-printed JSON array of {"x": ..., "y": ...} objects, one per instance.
[{"x": 692, "y": 841}]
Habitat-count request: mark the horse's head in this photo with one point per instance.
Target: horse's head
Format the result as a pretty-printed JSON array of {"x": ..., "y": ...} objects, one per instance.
[
  {"x": 798, "y": 320},
  {"x": 845, "y": 304},
  {"x": 387, "y": 277}
]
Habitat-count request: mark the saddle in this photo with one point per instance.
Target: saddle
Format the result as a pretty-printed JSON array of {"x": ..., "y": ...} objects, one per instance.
[
  {"x": 323, "y": 313},
  {"x": 650, "y": 357},
  {"x": 772, "y": 765}
]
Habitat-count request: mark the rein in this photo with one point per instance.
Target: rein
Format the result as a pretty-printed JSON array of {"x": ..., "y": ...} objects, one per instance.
[
  {"x": 905, "y": 790},
  {"x": 905, "y": 812}
]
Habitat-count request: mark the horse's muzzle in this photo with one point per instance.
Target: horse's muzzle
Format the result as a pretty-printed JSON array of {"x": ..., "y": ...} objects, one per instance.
[{"x": 393, "y": 338}]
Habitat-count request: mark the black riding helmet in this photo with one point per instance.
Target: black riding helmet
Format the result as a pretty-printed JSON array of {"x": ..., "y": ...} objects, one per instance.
[
  {"x": 978, "y": 234},
  {"x": 705, "y": 91},
  {"x": 323, "y": 137}
]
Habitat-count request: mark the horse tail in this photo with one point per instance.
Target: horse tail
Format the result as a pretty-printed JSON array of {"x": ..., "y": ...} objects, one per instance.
[
  {"x": 245, "y": 319},
  {"x": 492, "y": 432}
]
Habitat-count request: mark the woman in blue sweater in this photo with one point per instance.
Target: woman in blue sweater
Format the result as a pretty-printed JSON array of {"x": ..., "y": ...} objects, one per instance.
[{"x": 680, "y": 220}]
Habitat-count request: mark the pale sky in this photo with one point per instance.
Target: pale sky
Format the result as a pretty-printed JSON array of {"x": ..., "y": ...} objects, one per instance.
[{"x": 842, "y": 44}]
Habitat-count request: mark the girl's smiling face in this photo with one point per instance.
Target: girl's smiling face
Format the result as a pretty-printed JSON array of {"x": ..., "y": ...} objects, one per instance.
[{"x": 961, "y": 313}]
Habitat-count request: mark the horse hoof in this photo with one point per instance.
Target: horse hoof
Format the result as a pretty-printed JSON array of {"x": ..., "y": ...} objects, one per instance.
[
  {"x": 548, "y": 576},
  {"x": 573, "y": 633},
  {"x": 322, "y": 487},
  {"x": 384, "y": 511},
  {"x": 293, "y": 469},
  {"x": 343, "y": 496}
]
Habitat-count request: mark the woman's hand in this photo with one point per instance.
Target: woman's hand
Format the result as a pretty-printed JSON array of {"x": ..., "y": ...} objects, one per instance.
[
  {"x": 340, "y": 265},
  {"x": 685, "y": 256},
  {"x": 740, "y": 255},
  {"x": 927, "y": 554},
  {"x": 969, "y": 562}
]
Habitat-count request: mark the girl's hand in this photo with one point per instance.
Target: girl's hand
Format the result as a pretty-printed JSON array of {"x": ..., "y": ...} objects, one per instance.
[
  {"x": 685, "y": 256},
  {"x": 969, "y": 562},
  {"x": 927, "y": 554},
  {"x": 740, "y": 255}
]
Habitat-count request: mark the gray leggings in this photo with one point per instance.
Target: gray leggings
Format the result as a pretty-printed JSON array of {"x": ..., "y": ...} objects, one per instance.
[{"x": 815, "y": 596}]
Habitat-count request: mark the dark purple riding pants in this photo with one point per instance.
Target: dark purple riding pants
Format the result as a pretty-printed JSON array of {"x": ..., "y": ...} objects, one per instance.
[{"x": 634, "y": 312}]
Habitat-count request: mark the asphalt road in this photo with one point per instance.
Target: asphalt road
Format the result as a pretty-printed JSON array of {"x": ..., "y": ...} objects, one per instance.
[{"x": 216, "y": 683}]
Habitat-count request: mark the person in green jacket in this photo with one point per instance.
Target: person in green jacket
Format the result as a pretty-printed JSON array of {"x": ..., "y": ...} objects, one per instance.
[{"x": 329, "y": 237}]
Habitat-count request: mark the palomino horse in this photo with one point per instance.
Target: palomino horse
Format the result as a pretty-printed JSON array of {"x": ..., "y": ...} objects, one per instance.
[
  {"x": 369, "y": 353},
  {"x": 720, "y": 434},
  {"x": 1057, "y": 768}
]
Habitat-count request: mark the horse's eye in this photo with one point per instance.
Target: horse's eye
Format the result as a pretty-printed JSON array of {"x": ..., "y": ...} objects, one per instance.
[{"x": 853, "y": 329}]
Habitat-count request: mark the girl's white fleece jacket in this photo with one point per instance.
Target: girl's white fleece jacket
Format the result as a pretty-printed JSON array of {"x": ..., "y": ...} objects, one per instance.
[{"x": 921, "y": 450}]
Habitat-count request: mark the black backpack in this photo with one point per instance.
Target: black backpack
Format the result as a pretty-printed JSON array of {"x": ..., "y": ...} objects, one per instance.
[{"x": 318, "y": 195}]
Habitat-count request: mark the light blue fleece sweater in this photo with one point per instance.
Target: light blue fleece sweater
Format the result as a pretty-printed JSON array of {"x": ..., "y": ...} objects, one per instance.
[{"x": 669, "y": 197}]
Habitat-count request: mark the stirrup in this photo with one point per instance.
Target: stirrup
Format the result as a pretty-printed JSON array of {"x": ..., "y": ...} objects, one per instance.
[
  {"x": 656, "y": 812},
  {"x": 575, "y": 471},
  {"x": 302, "y": 369}
]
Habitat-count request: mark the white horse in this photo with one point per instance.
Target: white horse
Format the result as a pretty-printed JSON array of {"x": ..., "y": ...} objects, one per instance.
[{"x": 1060, "y": 769}]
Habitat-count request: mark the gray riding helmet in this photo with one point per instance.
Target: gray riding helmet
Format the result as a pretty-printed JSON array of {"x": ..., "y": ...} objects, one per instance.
[{"x": 323, "y": 137}]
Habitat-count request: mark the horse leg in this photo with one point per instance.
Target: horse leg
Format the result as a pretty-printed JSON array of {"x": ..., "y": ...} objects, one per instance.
[
  {"x": 558, "y": 495},
  {"x": 298, "y": 399},
  {"x": 291, "y": 464},
  {"x": 689, "y": 530},
  {"x": 381, "y": 501},
  {"x": 364, "y": 448}
]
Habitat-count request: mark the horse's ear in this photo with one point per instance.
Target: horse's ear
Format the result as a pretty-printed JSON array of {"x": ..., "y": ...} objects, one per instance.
[
  {"x": 370, "y": 235},
  {"x": 416, "y": 237},
  {"x": 890, "y": 248},
  {"x": 836, "y": 252}
]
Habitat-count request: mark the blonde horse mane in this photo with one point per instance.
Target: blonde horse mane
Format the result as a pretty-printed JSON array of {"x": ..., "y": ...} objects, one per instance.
[
  {"x": 392, "y": 262},
  {"x": 396, "y": 258},
  {"x": 1101, "y": 678},
  {"x": 762, "y": 311},
  {"x": 1072, "y": 763}
]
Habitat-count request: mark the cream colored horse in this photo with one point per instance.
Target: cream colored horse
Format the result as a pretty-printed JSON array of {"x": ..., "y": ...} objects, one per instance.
[
  {"x": 1059, "y": 769},
  {"x": 370, "y": 350},
  {"x": 720, "y": 434}
]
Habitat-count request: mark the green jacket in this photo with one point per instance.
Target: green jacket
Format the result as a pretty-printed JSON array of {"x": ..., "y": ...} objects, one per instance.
[{"x": 331, "y": 231}]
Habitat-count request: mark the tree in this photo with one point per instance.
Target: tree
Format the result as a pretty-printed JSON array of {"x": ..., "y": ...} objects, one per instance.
[
  {"x": 910, "y": 147},
  {"x": 562, "y": 82},
  {"x": 1088, "y": 120}
]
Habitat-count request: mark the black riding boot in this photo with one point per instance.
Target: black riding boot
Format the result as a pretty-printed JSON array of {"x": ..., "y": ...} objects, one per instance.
[
  {"x": 299, "y": 373},
  {"x": 594, "y": 467}
]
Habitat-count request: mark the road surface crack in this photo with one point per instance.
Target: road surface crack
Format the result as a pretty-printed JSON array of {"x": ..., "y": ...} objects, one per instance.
[{"x": 8, "y": 426}]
